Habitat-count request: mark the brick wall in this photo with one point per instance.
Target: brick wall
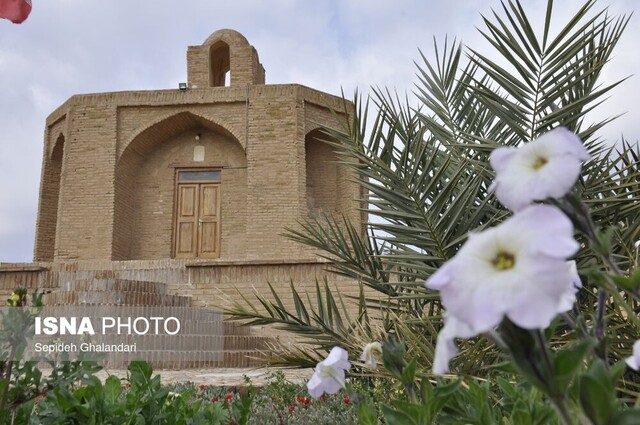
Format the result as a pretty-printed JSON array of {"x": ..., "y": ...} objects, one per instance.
[{"x": 85, "y": 211}]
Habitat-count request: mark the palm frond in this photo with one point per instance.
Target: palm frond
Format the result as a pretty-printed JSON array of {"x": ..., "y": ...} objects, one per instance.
[{"x": 554, "y": 83}]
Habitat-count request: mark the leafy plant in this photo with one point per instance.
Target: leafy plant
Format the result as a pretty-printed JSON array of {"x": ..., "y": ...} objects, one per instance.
[
  {"x": 144, "y": 401},
  {"x": 22, "y": 384}
]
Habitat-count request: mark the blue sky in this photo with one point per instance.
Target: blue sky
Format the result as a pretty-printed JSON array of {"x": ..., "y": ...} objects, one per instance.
[{"x": 68, "y": 47}]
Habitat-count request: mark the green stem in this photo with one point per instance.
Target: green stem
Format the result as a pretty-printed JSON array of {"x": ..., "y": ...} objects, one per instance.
[
  {"x": 579, "y": 212},
  {"x": 600, "y": 325},
  {"x": 9, "y": 367},
  {"x": 560, "y": 405},
  {"x": 542, "y": 343},
  {"x": 575, "y": 326}
]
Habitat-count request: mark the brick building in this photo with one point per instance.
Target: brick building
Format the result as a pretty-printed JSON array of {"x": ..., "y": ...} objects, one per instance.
[
  {"x": 214, "y": 171},
  {"x": 192, "y": 187}
]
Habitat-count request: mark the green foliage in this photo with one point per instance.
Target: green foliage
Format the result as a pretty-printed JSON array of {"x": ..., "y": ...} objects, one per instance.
[
  {"x": 496, "y": 399},
  {"x": 283, "y": 402},
  {"x": 144, "y": 401}
]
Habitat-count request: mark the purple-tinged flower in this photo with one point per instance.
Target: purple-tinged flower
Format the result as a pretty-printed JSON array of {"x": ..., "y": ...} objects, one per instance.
[
  {"x": 329, "y": 374},
  {"x": 446, "y": 348},
  {"x": 517, "y": 269},
  {"x": 545, "y": 168},
  {"x": 634, "y": 361}
]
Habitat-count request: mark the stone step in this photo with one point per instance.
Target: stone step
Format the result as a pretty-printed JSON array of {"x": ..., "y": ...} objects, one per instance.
[
  {"x": 115, "y": 298},
  {"x": 205, "y": 338},
  {"x": 202, "y": 359},
  {"x": 113, "y": 284},
  {"x": 193, "y": 320},
  {"x": 187, "y": 342}
]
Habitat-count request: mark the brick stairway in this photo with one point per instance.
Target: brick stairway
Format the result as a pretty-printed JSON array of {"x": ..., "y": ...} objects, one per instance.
[{"x": 205, "y": 339}]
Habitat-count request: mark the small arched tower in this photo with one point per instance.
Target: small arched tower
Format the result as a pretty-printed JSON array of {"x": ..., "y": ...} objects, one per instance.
[{"x": 225, "y": 59}]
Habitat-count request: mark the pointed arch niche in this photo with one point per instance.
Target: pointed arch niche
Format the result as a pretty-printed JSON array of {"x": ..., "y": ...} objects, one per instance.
[
  {"x": 324, "y": 177},
  {"x": 146, "y": 185},
  {"x": 49, "y": 199},
  {"x": 219, "y": 64}
]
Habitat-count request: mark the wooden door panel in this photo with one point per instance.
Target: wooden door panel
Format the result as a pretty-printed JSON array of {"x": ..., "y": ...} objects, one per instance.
[
  {"x": 209, "y": 228},
  {"x": 187, "y": 221},
  {"x": 208, "y": 240},
  {"x": 187, "y": 204},
  {"x": 185, "y": 243},
  {"x": 209, "y": 208}
]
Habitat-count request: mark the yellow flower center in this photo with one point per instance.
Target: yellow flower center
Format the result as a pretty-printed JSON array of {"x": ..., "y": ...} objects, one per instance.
[
  {"x": 504, "y": 261},
  {"x": 540, "y": 162}
]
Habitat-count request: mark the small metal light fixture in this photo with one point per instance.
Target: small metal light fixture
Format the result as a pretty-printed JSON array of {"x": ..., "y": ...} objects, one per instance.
[{"x": 182, "y": 86}]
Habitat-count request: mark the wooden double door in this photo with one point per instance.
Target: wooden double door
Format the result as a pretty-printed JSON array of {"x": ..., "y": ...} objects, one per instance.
[{"x": 197, "y": 214}]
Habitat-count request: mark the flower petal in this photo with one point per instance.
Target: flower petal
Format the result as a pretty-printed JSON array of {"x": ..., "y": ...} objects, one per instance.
[
  {"x": 517, "y": 269},
  {"x": 634, "y": 361},
  {"x": 545, "y": 229},
  {"x": 315, "y": 386},
  {"x": 329, "y": 374},
  {"x": 446, "y": 348},
  {"x": 440, "y": 278},
  {"x": 501, "y": 157},
  {"x": 540, "y": 298},
  {"x": 561, "y": 140}
]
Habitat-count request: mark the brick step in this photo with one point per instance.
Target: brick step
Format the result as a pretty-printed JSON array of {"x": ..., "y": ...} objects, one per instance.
[
  {"x": 202, "y": 359},
  {"x": 184, "y": 341},
  {"x": 115, "y": 298},
  {"x": 235, "y": 328},
  {"x": 205, "y": 338},
  {"x": 113, "y": 284},
  {"x": 212, "y": 327},
  {"x": 243, "y": 358},
  {"x": 193, "y": 320},
  {"x": 188, "y": 314}
]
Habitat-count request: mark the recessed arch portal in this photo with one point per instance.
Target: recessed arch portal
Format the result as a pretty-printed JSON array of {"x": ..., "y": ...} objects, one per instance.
[{"x": 145, "y": 187}]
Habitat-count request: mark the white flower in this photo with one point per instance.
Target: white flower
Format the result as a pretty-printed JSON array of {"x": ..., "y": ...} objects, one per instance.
[
  {"x": 569, "y": 298},
  {"x": 329, "y": 373},
  {"x": 453, "y": 328},
  {"x": 446, "y": 348},
  {"x": 371, "y": 350},
  {"x": 545, "y": 168},
  {"x": 517, "y": 269},
  {"x": 634, "y": 361}
]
